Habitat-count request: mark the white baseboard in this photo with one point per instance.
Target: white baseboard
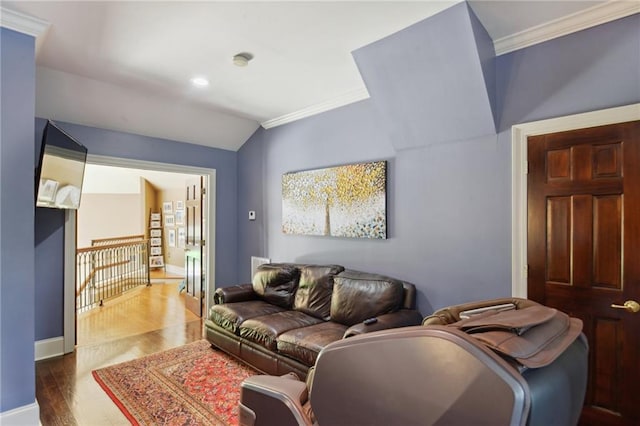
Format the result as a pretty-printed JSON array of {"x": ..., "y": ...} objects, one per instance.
[
  {"x": 27, "y": 415},
  {"x": 48, "y": 348},
  {"x": 178, "y": 270}
]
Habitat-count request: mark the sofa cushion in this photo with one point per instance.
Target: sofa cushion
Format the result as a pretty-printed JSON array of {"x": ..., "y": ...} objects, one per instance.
[
  {"x": 313, "y": 296},
  {"x": 304, "y": 344},
  {"x": 276, "y": 283},
  {"x": 230, "y": 315},
  {"x": 360, "y": 295},
  {"x": 265, "y": 329}
]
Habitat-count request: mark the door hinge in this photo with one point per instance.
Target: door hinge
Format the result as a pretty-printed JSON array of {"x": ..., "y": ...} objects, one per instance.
[
  {"x": 526, "y": 168},
  {"x": 204, "y": 191},
  {"x": 202, "y": 243}
]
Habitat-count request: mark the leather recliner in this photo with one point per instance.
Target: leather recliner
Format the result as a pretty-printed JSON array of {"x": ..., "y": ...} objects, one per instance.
[{"x": 440, "y": 373}]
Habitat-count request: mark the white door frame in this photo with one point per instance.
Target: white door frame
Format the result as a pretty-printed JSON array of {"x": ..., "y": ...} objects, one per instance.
[
  {"x": 209, "y": 183},
  {"x": 519, "y": 167}
]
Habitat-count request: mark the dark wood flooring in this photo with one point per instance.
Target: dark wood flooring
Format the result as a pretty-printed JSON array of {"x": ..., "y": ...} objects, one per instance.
[{"x": 65, "y": 388}]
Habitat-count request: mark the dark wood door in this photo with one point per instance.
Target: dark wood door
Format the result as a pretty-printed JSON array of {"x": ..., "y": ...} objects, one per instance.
[
  {"x": 584, "y": 253},
  {"x": 194, "y": 245}
]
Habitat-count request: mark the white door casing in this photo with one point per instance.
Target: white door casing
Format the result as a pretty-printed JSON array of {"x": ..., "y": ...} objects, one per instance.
[
  {"x": 519, "y": 166},
  {"x": 209, "y": 182}
]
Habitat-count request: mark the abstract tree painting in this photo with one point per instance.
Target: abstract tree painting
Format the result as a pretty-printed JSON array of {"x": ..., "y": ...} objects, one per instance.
[{"x": 343, "y": 201}]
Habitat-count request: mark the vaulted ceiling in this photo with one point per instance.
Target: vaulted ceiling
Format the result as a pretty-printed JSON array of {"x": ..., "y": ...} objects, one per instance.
[{"x": 127, "y": 65}]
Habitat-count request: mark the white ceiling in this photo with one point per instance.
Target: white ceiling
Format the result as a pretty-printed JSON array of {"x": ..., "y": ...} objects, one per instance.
[{"x": 126, "y": 65}]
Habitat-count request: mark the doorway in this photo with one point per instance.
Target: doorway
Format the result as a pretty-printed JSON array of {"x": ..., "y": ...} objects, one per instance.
[
  {"x": 584, "y": 204},
  {"x": 566, "y": 161},
  {"x": 209, "y": 179}
]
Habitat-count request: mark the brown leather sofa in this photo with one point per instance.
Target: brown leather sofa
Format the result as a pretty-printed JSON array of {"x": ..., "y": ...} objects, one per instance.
[
  {"x": 281, "y": 322},
  {"x": 518, "y": 364}
]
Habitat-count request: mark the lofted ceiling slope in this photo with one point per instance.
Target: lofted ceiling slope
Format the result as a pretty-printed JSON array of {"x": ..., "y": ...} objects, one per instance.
[{"x": 127, "y": 65}]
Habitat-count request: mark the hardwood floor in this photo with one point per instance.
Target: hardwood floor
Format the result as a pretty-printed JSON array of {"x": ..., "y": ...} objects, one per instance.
[{"x": 145, "y": 321}]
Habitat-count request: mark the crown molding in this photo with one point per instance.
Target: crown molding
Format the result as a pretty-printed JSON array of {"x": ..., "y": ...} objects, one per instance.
[
  {"x": 22, "y": 23},
  {"x": 342, "y": 100},
  {"x": 596, "y": 15}
]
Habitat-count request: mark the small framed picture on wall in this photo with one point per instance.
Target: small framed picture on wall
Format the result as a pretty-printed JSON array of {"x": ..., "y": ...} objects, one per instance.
[
  {"x": 156, "y": 251},
  {"x": 156, "y": 233},
  {"x": 156, "y": 241},
  {"x": 169, "y": 220},
  {"x": 171, "y": 236},
  {"x": 179, "y": 217},
  {"x": 155, "y": 216},
  {"x": 156, "y": 261},
  {"x": 181, "y": 237},
  {"x": 156, "y": 224},
  {"x": 167, "y": 207},
  {"x": 180, "y": 205}
]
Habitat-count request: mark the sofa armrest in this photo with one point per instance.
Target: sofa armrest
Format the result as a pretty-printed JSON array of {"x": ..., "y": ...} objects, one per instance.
[
  {"x": 263, "y": 398},
  {"x": 401, "y": 318},
  {"x": 236, "y": 293}
]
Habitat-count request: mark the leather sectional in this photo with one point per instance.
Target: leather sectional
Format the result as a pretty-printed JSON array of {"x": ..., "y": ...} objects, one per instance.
[{"x": 282, "y": 320}]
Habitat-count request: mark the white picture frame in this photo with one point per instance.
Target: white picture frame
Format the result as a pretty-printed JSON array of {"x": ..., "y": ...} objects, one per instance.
[
  {"x": 181, "y": 237},
  {"x": 169, "y": 220},
  {"x": 171, "y": 238},
  {"x": 156, "y": 251},
  {"x": 155, "y": 241},
  {"x": 155, "y": 216},
  {"x": 155, "y": 233},
  {"x": 167, "y": 207},
  {"x": 156, "y": 224},
  {"x": 179, "y": 217},
  {"x": 180, "y": 205},
  {"x": 156, "y": 261}
]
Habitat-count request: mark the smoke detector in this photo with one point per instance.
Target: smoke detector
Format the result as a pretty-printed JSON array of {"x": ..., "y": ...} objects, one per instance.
[{"x": 242, "y": 59}]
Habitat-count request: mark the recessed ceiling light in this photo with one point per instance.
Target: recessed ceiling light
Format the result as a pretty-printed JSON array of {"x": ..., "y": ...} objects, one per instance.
[
  {"x": 242, "y": 59},
  {"x": 199, "y": 81}
]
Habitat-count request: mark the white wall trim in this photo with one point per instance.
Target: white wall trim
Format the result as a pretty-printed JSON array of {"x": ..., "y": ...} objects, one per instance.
[
  {"x": 596, "y": 15},
  {"x": 48, "y": 348},
  {"x": 27, "y": 415},
  {"x": 519, "y": 165},
  {"x": 342, "y": 100},
  {"x": 209, "y": 182},
  {"x": 69, "y": 292},
  {"x": 22, "y": 23},
  {"x": 179, "y": 270}
]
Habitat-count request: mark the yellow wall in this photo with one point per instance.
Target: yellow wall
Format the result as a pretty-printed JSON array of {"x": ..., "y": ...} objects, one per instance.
[{"x": 108, "y": 215}]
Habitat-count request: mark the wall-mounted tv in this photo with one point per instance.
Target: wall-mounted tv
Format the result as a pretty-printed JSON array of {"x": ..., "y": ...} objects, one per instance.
[{"x": 60, "y": 172}]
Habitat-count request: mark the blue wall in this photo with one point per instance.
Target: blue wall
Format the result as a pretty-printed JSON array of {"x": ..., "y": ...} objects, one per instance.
[
  {"x": 586, "y": 71},
  {"x": 17, "y": 373},
  {"x": 49, "y": 273},
  {"x": 449, "y": 200},
  {"x": 49, "y": 224}
]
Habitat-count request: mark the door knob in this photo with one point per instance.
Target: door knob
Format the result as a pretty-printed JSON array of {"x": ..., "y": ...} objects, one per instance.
[{"x": 630, "y": 306}]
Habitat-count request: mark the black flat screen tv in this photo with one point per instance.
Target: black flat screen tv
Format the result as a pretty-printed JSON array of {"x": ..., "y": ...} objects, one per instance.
[{"x": 60, "y": 172}]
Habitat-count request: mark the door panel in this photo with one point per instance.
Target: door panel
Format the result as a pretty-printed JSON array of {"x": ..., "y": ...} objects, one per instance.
[
  {"x": 194, "y": 246},
  {"x": 583, "y": 253}
]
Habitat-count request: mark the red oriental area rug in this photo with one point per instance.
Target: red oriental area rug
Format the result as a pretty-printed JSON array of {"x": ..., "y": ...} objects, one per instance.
[{"x": 190, "y": 385}]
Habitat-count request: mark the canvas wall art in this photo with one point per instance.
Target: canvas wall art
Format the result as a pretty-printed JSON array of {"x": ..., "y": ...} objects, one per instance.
[{"x": 343, "y": 201}]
